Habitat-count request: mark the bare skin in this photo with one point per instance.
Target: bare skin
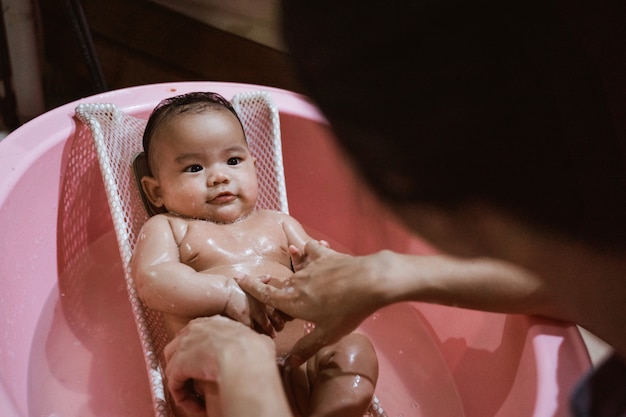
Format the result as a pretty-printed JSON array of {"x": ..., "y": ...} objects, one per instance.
[
  {"x": 185, "y": 260},
  {"x": 230, "y": 359},
  {"x": 502, "y": 265},
  {"x": 205, "y": 256}
]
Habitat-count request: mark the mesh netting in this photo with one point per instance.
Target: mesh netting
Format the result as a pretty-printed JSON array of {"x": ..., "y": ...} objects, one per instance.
[
  {"x": 260, "y": 121},
  {"x": 118, "y": 139}
]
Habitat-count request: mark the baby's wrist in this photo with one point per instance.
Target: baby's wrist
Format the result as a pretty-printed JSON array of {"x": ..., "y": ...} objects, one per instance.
[
  {"x": 232, "y": 288},
  {"x": 234, "y": 296}
]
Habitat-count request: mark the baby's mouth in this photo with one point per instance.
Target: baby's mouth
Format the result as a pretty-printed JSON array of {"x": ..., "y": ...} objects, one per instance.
[{"x": 224, "y": 197}]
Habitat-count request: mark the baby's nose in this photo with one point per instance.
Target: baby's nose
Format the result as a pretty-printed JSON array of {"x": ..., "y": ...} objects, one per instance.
[{"x": 217, "y": 178}]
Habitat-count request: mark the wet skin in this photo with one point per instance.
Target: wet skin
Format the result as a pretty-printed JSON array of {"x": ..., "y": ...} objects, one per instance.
[{"x": 186, "y": 260}]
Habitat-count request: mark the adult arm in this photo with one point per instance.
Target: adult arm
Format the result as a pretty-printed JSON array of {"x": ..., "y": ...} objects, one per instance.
[
  {"x": 233, "y": 368},
  {"x": 337, "y": 291}
]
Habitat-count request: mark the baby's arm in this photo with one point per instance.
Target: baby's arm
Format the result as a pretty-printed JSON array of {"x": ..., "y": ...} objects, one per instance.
[
  {"x": 166, "y": 284},
  {"x": 297, "y": 237}
]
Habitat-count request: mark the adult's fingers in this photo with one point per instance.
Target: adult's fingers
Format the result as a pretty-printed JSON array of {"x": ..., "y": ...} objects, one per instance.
[
  {"x": 278, "y": 319},
  {"x": 178, "y": 384},
  {"x": 262, "y": 322},
  {"x": 265, "y": 326},
  {"x": 173, "y": 345},
  {"x": 265, "y": 293},
  {"x": 184, "y": 397}
]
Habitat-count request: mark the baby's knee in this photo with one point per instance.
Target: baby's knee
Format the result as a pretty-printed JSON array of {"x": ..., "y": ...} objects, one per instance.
[
  {"x": 352, "y": 354},
  {"x": 343, "y": 377}
]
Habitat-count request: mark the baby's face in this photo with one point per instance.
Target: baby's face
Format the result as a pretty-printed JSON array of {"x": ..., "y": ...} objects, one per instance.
[{"x": 204, "y": 168}]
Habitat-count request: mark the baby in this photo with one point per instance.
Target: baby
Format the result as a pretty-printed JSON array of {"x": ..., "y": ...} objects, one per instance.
[{"x": 204, "y": 178}]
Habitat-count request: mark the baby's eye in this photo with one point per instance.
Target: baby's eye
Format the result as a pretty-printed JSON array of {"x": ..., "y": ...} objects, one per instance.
[
  {"x": 194, "y": 168},
  {"x": 233, "y": 161}
]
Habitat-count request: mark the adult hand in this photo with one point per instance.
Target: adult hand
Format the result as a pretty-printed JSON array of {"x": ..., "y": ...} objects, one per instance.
[
  {"x": 223, "y": 357},
  {"x": 334, "y": 291},
  {"x": 249, "y": 311},
  {"x": 337, "y": 292},
  {"x": 299, "y": 258}
]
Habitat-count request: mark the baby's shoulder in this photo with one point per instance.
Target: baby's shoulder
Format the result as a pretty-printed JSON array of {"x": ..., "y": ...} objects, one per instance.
[
  {"x": 167, "y": 223},
  {"x": 166, "y": 219}
]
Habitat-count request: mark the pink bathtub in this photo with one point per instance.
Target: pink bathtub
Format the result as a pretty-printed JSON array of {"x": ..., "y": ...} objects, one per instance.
[{"x": 68, "y": 345}]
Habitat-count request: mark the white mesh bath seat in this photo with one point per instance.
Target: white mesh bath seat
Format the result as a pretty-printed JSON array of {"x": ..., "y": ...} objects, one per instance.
[{"x": 117, "y": 137}]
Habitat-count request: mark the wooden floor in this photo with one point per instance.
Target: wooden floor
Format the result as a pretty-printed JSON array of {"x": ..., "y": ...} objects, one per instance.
[{"x": 138, "y": 42}]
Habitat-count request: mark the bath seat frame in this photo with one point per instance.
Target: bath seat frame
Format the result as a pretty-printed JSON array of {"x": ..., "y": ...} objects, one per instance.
[{"x": 117, "y": 139}]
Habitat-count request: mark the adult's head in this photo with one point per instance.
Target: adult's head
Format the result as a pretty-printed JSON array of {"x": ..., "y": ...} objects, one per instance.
[{"x": 456, "y": 103}]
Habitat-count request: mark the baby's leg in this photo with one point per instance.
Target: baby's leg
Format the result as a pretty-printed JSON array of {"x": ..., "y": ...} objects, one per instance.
[{"x": 343, "y": 377}]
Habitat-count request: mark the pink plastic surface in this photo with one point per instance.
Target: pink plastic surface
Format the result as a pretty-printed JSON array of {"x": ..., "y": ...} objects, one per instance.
[{"x": 68, "y": 346}]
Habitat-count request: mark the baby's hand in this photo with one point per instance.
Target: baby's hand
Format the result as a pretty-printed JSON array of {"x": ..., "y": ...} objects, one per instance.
[
  {"x": 237, "y": 306},
  {"x": 249, "y": 311},
  {"x": 299, "y": 259},
  {"x": 266, "y": 319}
]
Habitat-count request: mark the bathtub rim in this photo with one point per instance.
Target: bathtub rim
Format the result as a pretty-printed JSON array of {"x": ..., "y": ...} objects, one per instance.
[{"x": 25, "y": 146}]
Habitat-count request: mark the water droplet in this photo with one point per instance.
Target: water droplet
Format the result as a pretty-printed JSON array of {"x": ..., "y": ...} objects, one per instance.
[{"x": 414, "y": 405}]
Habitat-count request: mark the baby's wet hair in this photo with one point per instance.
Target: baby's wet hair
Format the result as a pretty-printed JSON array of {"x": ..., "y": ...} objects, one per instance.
[{"x": 194, "y": 102}]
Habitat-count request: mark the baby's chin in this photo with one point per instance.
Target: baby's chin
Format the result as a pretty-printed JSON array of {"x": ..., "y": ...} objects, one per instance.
[
  {"x": 220, "y": 217},
  {"x": 224, "y": 218}
]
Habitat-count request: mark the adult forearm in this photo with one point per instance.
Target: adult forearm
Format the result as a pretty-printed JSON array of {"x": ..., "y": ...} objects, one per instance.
[{"x": 480, "y": 283}]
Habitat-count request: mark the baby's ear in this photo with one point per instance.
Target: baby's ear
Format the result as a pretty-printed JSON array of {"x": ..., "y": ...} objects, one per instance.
[{"x": 152, "y": 190}]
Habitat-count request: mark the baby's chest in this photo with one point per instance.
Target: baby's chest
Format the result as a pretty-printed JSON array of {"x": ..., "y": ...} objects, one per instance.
[{"x": 203, "y": 248}]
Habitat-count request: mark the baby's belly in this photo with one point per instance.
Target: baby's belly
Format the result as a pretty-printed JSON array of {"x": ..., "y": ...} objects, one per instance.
[{"x": 255, "y": 269}]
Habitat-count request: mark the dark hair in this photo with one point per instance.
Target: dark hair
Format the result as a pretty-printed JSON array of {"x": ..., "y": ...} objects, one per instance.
[
  {"x": 452, "y": 101},
  {"x": 194, "y": 102}
]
